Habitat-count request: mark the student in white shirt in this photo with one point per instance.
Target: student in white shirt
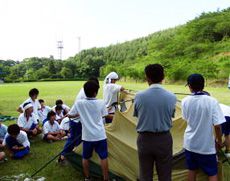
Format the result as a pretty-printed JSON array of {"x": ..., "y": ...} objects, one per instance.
[
  {"x": 65, "y": 108},
  {"x": 3, "y": 132},
  {"x": 65, "y": 126},
  {"x": 17, "y": 142},
  {"x": 110, "y": 93},
  {"x": 202, "y": 113},
  {"x": 28, "y": 122},
  {"x": 51, "y": 128},
  {"x": 33, "y": 93},
  {"x": 59, "y": 113},
  {"x": 75, "y": 127},
  {"x": 91, "y": 113},
  {"x": 43, "y": 111}
]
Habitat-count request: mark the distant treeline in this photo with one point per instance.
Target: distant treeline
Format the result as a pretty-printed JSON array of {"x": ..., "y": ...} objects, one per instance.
[{"x": 201, "y": 45}]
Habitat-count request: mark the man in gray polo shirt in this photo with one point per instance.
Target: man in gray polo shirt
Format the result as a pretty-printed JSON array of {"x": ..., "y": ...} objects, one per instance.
[{"x": 154, "y": 108}]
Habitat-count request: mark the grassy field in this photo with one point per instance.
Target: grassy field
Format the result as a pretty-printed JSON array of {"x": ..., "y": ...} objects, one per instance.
[{"x": 12, "y": 95}]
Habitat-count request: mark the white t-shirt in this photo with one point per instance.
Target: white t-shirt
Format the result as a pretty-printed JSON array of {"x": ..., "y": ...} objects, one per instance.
[
  {"x": 225, "y": 109},
  {"x": 64, "y": 106},
  {"x": 80, "y": 95},
  {"x": 36, "y": 106},
  {"x": 201, "y": 112},
  {"x": 49, "y": 128},
  {"x": 43, "y": 112},
  {"x": 110, "y": 95},
  {"x": 22, "y": 122},
  {"x": 59, "y": 116},
  {"x": 91, "y": 112},
  {"x": 65, "y": 124},
  {"x": 21, "y": 138}
]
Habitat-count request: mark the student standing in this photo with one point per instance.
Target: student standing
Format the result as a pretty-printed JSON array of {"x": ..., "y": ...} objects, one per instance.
[
  {"x": 91, "y": 112},
  {"x": 110, "y": 93},
  {"x": 202, "y": 113},
  {"x": 75, "y": 127},
  {"x": 154, "y": 108}
]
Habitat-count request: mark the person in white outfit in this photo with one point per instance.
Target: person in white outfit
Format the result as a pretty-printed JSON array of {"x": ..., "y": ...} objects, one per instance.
[{"x": 110, "y": 93}]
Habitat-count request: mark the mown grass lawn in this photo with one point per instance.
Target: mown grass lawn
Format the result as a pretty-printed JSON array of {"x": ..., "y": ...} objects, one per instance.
[{"x": 12, "y": 95}]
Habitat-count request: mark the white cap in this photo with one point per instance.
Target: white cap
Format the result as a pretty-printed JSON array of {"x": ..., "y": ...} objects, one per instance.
[{"x": 27, "y": 106}]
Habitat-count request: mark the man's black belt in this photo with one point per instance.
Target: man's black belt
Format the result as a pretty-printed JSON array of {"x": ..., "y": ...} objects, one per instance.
[{"x": 153, "y": 133}]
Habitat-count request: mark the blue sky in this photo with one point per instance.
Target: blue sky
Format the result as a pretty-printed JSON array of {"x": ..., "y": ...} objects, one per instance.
[{"x": 33, "y": 27}]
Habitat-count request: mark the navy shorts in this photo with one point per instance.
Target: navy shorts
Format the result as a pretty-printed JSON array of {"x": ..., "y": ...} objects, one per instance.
[
  {"x": 100, "y": 148},
  {"x": 207, "y": 163},
  {"x": 226, "y": 126}
]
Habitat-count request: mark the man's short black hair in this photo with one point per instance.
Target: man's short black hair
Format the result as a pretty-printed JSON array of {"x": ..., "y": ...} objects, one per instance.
[
  {"x": 59, "y": 102},
  {"x": 196, "y": 82},
  {"x": 33, "y": 92},
  {"x": 90, "y": 88},
  {"x": 51, "y": 113},
  {"x": 13, "y": 130},
  {"x": 155, "y": 72},
  {"x": 93, "y": 78},
  {"x": 41, "y": 101}
]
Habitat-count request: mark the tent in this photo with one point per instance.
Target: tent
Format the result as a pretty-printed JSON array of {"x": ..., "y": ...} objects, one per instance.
[{"x": 121, "y": 134}]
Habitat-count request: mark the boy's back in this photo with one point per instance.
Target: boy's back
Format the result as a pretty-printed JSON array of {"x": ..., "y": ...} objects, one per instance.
[
  {"x": 91, "y": 111},
  {"x": 201, "y": 112}
]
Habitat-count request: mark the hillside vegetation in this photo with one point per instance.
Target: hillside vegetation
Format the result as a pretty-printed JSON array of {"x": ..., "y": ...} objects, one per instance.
[{"x": 201, "y": 45}]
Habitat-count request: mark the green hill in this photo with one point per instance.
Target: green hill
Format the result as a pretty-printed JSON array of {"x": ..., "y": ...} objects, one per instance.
[{"x": 201, "y": 45}]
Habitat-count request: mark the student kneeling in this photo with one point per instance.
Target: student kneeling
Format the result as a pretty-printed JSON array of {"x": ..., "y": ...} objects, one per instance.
[
  {"x": 91, "y": 112},
  {"x": 51, "y": 128},
  {"x": 17, "y": 141}
]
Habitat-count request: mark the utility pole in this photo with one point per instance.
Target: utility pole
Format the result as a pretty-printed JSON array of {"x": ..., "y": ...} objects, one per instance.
[
  {"x": 79, "y": 44},
  {"x": 60, "y": 47}
]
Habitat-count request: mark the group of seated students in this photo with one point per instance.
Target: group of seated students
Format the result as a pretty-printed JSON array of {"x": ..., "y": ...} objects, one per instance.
[{"x": 35, "y": 118}]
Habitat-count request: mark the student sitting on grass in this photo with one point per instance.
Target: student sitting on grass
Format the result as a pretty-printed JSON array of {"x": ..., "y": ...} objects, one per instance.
[
  {"x": 65, "y": 108},
  {"x": 17, "y": 141},
  {"x": 33, "y": 93},
  {"x": 201, "y": 112},
  {"x": 51, "y": 128},
  {"x": 28, "y": 122},
  {"x": 43, "y": 111},
  {"x": 3, "y": 131},
  {"x": 91, "y": 113},
  {"x": 64, "y": 126},
  {"x": 59, "y": 114}
]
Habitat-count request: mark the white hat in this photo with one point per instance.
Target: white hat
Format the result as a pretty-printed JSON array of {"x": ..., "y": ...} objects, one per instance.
[
  {"x": 27, "y": 106},
  {"x": 110, "y": 76}
]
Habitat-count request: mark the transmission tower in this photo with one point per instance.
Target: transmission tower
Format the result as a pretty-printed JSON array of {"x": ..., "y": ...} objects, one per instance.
[{"x": 60, "y": 47}]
